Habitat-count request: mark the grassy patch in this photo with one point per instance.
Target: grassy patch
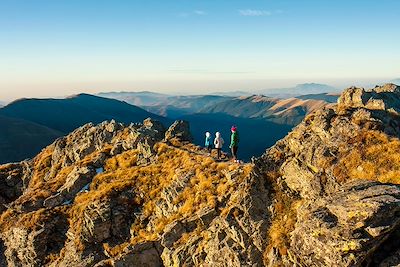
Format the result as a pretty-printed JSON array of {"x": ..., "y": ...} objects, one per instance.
[{"x": 374, "y": 156}]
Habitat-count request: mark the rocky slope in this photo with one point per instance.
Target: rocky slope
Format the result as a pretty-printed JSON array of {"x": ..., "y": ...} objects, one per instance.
[{"x": 141, "y": 195}]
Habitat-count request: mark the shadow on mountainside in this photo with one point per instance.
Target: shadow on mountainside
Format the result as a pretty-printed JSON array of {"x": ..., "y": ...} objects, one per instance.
[{"x": 28, "y": 125}]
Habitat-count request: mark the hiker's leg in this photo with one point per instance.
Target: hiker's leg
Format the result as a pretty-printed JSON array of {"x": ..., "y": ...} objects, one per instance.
[
  {"x": 219, "y": 153},
  {"x": 233, "y": 152},
  {"x": 235, "y": 149}
]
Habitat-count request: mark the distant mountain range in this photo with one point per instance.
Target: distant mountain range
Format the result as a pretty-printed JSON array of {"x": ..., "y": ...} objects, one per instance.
[
  {"x": 286, "y": 92},
  {"x": 253, "y": 114},
  {"x": 167, "y": 105},
  {"x": 143, "y": 98},
  {"x": 177, "y": 106},
  {"x": 146, "y": 98},
  {"x": 31, "y": 124},
  {"x": 328, "y": 97},
  {"x": 283, "y": 111},
  {"x": 233, "y": 93},
  {"x": 298, "y": 90}
]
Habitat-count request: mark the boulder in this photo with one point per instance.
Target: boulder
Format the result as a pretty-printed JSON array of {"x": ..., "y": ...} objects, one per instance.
[
  {"x": 384, "y": 97},
  {"x": 179, "y": 130}
]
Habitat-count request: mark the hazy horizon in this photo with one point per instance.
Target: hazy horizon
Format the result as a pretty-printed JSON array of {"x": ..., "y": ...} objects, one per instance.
[
  {"x": 247, "y": 86},
  {"x": 59, "y": 48}
]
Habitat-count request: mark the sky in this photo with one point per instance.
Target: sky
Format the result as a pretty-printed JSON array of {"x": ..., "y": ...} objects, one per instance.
[{"x": 63, "y": 47}]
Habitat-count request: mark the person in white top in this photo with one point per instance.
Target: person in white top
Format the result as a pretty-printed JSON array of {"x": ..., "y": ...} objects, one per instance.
[{"x": 218, "y": 143}]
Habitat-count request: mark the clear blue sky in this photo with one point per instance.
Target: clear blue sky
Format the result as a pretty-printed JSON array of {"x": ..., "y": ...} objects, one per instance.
[{"x": 59, "y": 47}]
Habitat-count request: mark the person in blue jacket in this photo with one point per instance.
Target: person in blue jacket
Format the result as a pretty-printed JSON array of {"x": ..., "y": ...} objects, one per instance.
[{"x": 208, "y": 143}]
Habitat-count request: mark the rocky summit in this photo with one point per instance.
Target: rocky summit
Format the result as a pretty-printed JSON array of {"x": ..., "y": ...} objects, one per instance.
[{"x": 327, "y": 194}]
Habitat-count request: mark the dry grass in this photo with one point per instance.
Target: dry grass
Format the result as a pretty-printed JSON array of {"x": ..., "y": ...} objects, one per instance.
[
  {"x": 42, "y": 165},
  {"x": 122, "y": 161},
  {"x": 374, "y": 156},
  {"x": 206, "y": 184},
  {"x": 285, "y": 216},
  {"x": 283, "y": 225},
  {"x": 31, "y": 220}
]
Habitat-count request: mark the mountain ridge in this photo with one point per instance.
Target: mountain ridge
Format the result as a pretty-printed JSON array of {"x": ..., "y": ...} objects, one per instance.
[
  {"x": 327, "y": 194},
  {"x": 298, "y": 90},
  {"x": 288, "y": 111},
  {"x": 61, "y": 116}
]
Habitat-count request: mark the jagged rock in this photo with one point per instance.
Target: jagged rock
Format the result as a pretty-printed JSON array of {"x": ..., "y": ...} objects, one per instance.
[
  {"x": 155, "y": 126},
  {"x": 380, "y": 98},
  {"x": 235, "y": 239},
  {"x": 172, "y": 233},
  {"x": 309, "y": 152},
  {"x": 145, "y": 254},
  {"x": 343, "y": 229},
  {"x": 180, "y": 130},
  {"x": 104, "y": 220},
  {"x": 146, "y": 151},
  {"x": 73, "y": 257},
  {"x": 75, "y": 182},
  {"x": 14, "y": 178},
  {"x": 29, "y": 245}
]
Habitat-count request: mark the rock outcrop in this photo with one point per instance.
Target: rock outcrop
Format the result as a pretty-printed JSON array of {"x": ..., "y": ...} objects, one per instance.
[
  {"x": 327, "y": 194},
  {"x": 380, "y": 98},
  {"x": 341, "y": 168},
  {"x": 344, "y": 228},
  {"x": 180, "y": 130}
]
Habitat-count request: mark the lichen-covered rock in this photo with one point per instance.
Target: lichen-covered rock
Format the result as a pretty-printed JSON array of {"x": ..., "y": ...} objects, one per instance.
[
  {"x": 29, "y": 243},
  {"x": 14, "y": 178},
  {"x": 344, "y": 228},
  {"x": 145, "y": 254}
]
